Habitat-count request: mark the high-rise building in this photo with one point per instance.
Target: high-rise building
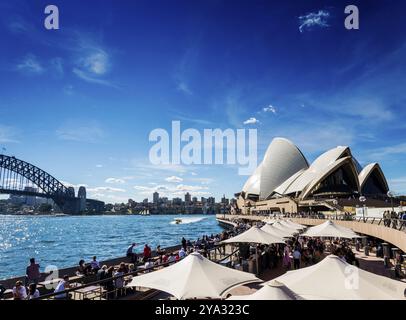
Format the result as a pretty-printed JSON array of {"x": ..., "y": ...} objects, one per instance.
[
  {"x": 188, "y": 198},
  {"x": 194, "y": 200},
  {"x": 177, "y": 201},
  {"x": 82, "y": 197},
  {"x": 211, "y": 200},
  {"x": 155, "y": 197}
]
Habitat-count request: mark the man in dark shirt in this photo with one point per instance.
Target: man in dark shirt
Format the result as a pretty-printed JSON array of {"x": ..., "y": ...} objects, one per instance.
[{"x": 32, "y": 272}]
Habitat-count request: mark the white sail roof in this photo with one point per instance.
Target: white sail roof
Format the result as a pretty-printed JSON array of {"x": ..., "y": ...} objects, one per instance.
[
  {"x": 282, "y": 159},
  {"x": 252, "y": 186},
  {"x": 313, "y": 172},
  {"x": 366, "y": 173}
]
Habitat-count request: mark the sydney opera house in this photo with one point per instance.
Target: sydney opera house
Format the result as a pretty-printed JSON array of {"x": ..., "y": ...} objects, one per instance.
[{"x": 286, "y": 182}]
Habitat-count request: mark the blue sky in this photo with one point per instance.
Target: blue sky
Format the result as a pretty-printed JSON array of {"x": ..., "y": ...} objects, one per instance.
[{"x": 81, "y": 101}]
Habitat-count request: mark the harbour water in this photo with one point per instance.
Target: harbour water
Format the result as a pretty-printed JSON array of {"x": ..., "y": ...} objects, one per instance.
[{"x": 63, "y": 241}]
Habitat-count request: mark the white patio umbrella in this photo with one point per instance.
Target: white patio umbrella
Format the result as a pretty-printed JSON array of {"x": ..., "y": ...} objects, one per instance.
[
  {"x": 284, "y": 228},
  {"x": 255, "y": 235},
  {"x": 272, "y": 290},
  {"x": 275, "y": 231},
  {"x": 293, "y": 225},
  {"x": 335, "y": 279},
  {"x": 194, "y": 277},
  {"x": 330, "y": 229}
]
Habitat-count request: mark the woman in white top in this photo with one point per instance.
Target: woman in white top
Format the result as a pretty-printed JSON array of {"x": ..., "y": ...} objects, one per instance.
[{"x": 19, "y": 291}]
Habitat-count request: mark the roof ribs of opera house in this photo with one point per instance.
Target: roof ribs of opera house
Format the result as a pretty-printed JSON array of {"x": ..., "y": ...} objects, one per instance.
[{"x": 284, "y": 171}]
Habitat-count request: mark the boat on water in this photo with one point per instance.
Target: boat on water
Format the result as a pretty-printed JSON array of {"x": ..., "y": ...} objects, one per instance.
[{"x": 178, "y": 221}]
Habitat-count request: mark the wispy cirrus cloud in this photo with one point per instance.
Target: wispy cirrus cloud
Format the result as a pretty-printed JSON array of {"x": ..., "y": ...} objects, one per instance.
[
  {"x": 30, "y": 65},
  {"x": 398, "y": 184},
  {"x": 314, "y": 19},
  {"x": 115, "y": 181},
  {"x": 8, "y": 134},
  {"x": 384, "y": 152},
  {"x": 81, "y": 132},
  {"x": 184, "y": 87}
]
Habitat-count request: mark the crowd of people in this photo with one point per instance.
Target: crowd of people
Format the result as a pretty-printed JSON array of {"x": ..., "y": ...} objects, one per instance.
[{"x": 296, "y": 253}]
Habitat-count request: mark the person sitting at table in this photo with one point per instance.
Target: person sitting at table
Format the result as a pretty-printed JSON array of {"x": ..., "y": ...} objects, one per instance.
[
  {"x": 19, "y": 291},
  {"x": 109, "y": 284},
  {"x": 62, "y": 286},
  {"x": 148, "y": 265},
  {"x": 95, "y": 265},
  {"x": 182, "y": 253},
  {"x": 172, "y": 257},
  {"x": 33, "y": 292},
  {"x": 84, "y": 268},
  {"x": 101, "y": 273}
]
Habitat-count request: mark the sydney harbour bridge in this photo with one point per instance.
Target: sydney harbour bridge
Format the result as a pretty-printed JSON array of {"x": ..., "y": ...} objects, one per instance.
[{"x": 18, "y": 177}]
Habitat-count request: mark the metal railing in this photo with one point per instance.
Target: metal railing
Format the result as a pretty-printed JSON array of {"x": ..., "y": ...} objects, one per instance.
[
  {"x": 103, "y": 293},
  {"x": 398, "y": 224}
]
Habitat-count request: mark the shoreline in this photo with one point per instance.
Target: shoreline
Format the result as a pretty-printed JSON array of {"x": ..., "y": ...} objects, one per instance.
[{"x": 70, "y": 270}]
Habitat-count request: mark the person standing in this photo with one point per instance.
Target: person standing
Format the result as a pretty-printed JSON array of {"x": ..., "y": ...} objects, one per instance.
[
  {"x": 296, "y": 258},
  {"x": 147, "y": 252},
  {"x": 130, "y": 254},
  {"x": 184, "y": 243},
  {"x": 32, "y": 272},
  {"x": 95, "y": 265}
]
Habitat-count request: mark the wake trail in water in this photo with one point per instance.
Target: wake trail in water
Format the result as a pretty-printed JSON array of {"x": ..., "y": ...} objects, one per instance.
[{"x": 187, "y": 220}]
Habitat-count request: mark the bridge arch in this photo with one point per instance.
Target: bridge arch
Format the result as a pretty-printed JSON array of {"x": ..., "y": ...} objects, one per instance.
[{"x": 16, "y": 174}]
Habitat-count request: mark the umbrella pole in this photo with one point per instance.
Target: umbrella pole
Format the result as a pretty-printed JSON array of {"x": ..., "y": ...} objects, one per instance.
[{"x": 256, "y": 258}]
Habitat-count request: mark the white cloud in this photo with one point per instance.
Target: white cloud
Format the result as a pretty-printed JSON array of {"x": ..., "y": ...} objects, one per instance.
[
  {"x": 75, "y": 186},
  {"x": 270, "y": 108},
  {"x": 115, "y": 180},
  {"x": 106, "y": 189},
  {"x": 314, "y": 19},
  {"x": 99, "y": 166},
  {"x": 97, "y": 62},
  {"x": 174, "y": 179},
  {"x": 203, "y": 180},
  {"x": 30, "y": 65},
  {"x": 251, "y": 121},
  {"x": 172, "y": 190}
]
